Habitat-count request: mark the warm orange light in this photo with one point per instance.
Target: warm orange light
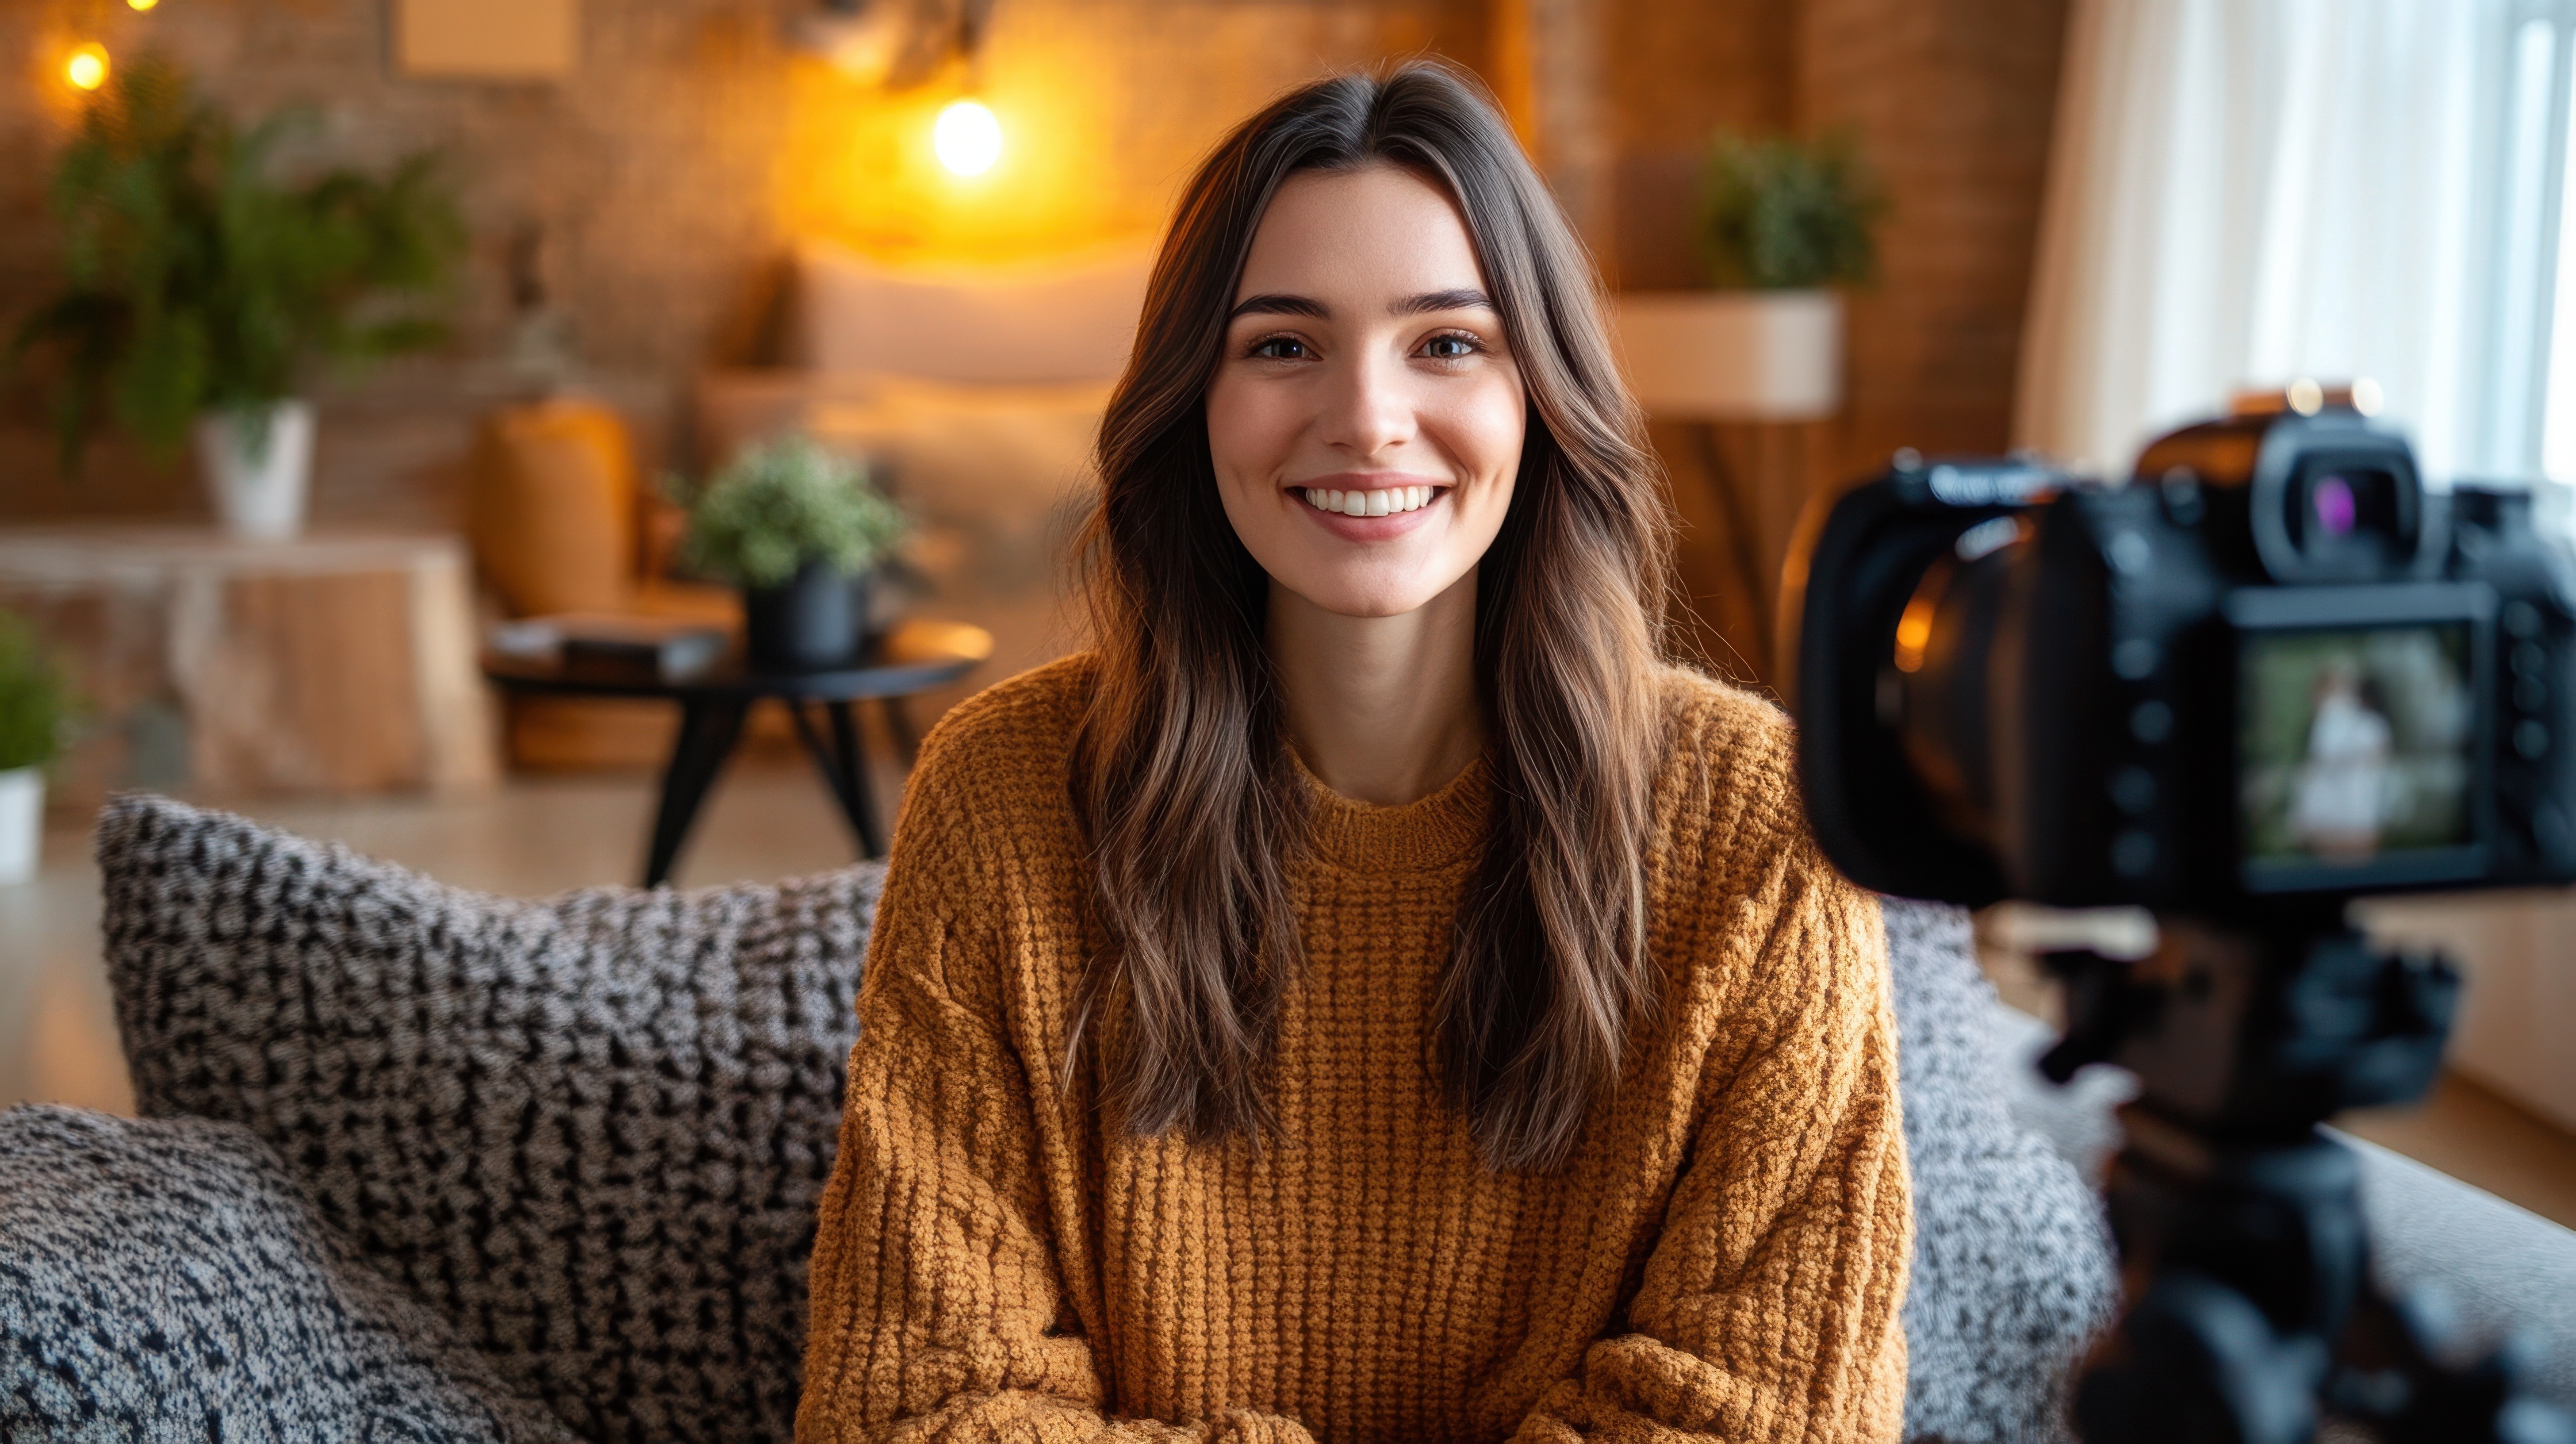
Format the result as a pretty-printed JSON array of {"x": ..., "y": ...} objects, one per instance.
[
  {"x": 87, "y": 67},
  {"x": 967, "y": 138},
  {"x": 1913, "y": 634}
]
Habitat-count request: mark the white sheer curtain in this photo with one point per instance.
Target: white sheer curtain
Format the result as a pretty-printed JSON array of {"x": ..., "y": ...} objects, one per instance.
[{"x": 2248, "y": 191}]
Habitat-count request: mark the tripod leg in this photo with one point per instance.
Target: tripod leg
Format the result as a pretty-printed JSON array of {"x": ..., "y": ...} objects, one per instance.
[{"x": 2196, "y": 1360}]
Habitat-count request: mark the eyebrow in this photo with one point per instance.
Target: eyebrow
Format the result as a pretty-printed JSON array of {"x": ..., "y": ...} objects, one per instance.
[{"x": 1272, "y": 303}]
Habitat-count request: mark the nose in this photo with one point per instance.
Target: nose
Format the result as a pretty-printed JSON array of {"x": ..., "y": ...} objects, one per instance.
[{"x": 1368, "y": 409}]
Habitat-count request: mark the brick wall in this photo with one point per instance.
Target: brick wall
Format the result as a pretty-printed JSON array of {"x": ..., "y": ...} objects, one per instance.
[
  {"x": 663, "y": 181},
  {"x": 1952, "y": 102}
]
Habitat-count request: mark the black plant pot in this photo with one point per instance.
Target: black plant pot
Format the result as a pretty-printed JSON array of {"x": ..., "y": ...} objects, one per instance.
[{"x": 817, "y": 619}]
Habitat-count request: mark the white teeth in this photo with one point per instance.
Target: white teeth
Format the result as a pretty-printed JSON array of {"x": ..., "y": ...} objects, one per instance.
[{"x": 1388, "y": 502}]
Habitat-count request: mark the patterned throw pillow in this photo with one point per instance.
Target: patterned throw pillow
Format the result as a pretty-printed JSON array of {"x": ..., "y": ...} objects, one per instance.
[
  {"x": 589, "y": 1130},
  {"x": 166, "y": 1280}
]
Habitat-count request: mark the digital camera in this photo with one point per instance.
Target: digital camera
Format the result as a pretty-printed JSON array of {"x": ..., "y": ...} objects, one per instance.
[{"x": 2270, "y": 664}]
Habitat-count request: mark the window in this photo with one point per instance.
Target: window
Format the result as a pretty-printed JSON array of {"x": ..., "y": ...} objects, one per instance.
[{"x": 2529, "y": 393}]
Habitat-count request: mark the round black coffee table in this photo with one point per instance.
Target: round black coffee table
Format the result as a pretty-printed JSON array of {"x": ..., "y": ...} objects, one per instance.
[{"x": 914, "y": 656}]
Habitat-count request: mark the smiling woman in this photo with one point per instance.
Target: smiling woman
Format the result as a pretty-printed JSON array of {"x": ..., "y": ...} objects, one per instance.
[
  {"x": 1366, "y": 396},
  {"x": 1371, "y": 995}
]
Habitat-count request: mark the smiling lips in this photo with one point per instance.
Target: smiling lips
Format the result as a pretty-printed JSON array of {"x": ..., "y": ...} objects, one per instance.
[{"x": 1389, "y": 501}]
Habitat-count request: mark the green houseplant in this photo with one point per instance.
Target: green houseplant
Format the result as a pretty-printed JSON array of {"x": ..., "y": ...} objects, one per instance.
[
  {"x": 1786, "y": 215},
  {"x": 206, "y": 284},
  {"x": 1779, "y": 223},
  {"x": 799, "y": 528},
  {"x": 35, "y": 708}
]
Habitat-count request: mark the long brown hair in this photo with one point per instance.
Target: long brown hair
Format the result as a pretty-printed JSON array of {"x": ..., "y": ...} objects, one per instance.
[{"x": 1181, "y": 777}]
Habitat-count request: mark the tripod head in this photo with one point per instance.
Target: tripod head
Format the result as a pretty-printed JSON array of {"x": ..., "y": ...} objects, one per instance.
[{"x": 2251, "y": 1315}]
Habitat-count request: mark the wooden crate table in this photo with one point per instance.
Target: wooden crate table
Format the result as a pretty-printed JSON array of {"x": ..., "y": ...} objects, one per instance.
[{"x": 337, "y": 662}]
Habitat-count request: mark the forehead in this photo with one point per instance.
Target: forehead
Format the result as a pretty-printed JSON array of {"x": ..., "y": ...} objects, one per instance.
[{"x": 1378, "y": 232}]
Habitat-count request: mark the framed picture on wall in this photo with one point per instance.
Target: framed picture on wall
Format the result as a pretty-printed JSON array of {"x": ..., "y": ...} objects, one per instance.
[{"x": 486, "y": 39}]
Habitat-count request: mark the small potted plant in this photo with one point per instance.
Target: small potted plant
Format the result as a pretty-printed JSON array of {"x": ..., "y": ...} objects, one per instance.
[
  {"x": 207, "y": 286},
  {"x": 799, "y": 528},
  {"x": 1780, "y": 224},
  {"x": 35, "y": 706}
]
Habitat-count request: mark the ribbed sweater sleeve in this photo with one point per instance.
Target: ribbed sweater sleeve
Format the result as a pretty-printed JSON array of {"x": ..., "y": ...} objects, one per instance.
[
  {"x": 1768, "y": 1307},
  {"x": 939, "y": 1309}
]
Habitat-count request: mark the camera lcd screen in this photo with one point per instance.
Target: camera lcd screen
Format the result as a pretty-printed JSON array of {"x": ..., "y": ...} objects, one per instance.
[{"x": 2355, "y": 749}]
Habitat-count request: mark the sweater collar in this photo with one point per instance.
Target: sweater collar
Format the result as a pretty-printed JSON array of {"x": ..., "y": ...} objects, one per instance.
[{"x": 1432, "y": 832}]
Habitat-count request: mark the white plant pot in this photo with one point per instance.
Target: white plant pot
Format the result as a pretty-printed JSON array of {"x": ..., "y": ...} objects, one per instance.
[
  {"x": 22, "y": 822},
  {"x": 1733, "y": 355},
  {"x": 259, "y": 477}
]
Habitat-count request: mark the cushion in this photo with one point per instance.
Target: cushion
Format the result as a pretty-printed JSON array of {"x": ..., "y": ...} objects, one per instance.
[
  {"x": 1069, "y": 320},
  {"x": 161, "y": 1280},
  {"x": 590, "y": 1130},
  {"x": 551, "y": 508},
  {"x": 2013, "y": 1270}
]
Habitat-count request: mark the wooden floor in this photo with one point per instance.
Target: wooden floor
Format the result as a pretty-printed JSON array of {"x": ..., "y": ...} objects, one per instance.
[
  {"x": 537, "y": 836},
  {"x": 2462, "y": 1129}
]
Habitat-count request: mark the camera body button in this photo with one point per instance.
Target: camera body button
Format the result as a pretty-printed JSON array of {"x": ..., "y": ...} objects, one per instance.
[{"x": 2530, "y": 739}]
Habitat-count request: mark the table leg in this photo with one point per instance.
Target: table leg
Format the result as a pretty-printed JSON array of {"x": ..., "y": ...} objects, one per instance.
[
  {"x": 854, "y": 766},
  {"x": 906, "y": 737},
  {"x": 709, "y": 727},
  {"x": 844, "y": 769}
]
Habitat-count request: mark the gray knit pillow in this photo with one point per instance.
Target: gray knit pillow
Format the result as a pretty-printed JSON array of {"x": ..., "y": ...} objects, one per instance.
[
  {"x": 590, "y": 1130},
  {"x": 165, "y": 1280},
  {"x": 2013, "y": 1272}
]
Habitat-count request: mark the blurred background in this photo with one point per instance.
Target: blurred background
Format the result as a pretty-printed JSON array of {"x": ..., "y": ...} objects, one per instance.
[{"x": 390, "y": 378}]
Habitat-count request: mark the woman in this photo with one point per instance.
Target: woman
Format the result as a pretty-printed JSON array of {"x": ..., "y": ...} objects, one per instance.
[{"x": 1371, "y": 996}]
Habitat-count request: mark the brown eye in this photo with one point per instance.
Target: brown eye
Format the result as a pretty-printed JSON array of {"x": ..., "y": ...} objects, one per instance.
[
  {"x": 1280, "y": 348},
  {"x": 1451, "y": 347}
]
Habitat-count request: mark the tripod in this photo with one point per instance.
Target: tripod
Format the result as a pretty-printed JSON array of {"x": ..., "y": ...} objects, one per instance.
[{"x": 2251, "y": 1316}]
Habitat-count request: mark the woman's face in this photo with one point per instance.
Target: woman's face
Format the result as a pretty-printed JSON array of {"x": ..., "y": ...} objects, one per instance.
[{"x": 1366, "y": 418}]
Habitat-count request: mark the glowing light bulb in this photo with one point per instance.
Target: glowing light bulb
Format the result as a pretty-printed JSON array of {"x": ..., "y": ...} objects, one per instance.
[
  {"x": 87, "y": 67},
  {"x": 142, "y": 4},
  {"x": 967, "y": 138}
]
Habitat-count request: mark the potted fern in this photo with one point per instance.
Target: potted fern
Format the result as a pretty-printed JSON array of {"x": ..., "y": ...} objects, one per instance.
[
  {"x": 206, "y": 287},
  {"x": 1781, "y": 223},
  {"x": 800, "y": 529},
  {"x": 35, "y": 707}
]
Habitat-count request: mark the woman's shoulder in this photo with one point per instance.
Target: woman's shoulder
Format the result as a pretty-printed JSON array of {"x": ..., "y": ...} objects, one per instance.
[
  {"x": 1728, "y": 790},
  {"x": 1732, "y": 823},
  {"x": 1035, "y": 706},
  {"x": 1728, "y": 737},
  {"x": 1005, "y": 749}
]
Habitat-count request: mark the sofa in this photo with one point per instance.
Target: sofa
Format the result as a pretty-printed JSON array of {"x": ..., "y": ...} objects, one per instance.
[{"x": 421, "y": 1163}]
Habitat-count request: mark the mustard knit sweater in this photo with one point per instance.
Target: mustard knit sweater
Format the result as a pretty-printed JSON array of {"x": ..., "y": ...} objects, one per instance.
[{"x": 1723, "y": 1258}]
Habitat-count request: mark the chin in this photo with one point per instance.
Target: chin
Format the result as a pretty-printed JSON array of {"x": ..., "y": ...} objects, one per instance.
[{"x": 1349, "y": 598}]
